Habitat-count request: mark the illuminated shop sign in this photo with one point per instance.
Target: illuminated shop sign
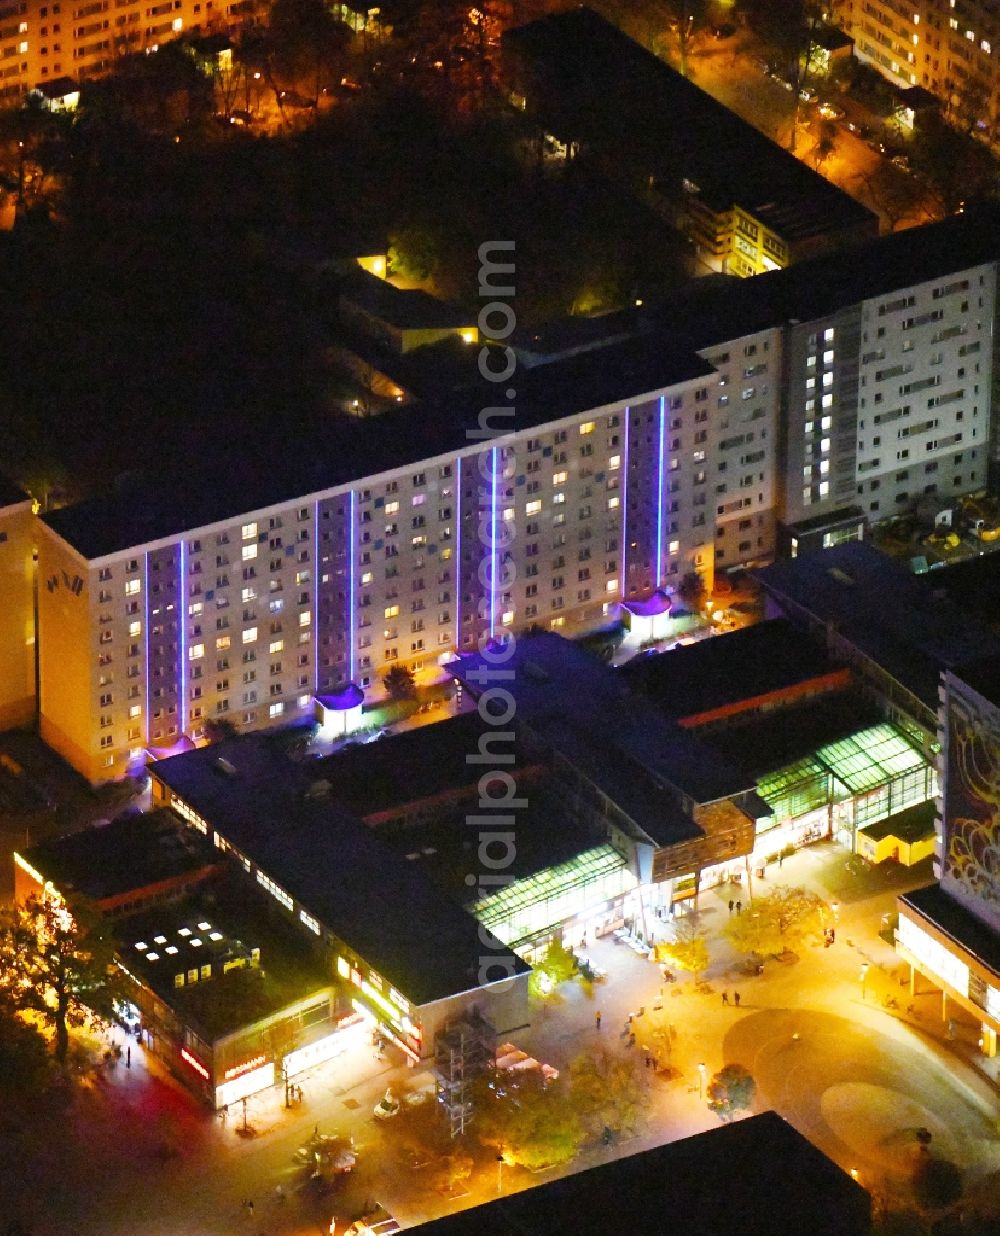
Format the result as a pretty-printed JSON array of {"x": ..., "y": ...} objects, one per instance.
[
  {"x": 315, "y": 1053},
  {"x": 239, "y": 1069},
  {"x": 194, "y": 1063},
  {"x": 933, "y": 957},
  {"x": 242, "y": 1087},
  {"x": 389, "y": 1034}
]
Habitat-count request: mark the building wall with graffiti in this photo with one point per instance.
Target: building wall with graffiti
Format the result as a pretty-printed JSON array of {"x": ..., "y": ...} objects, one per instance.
[{"x": 970, "y": 866}]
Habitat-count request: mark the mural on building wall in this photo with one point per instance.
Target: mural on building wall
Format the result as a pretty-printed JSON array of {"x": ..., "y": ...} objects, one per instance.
[{"x": 972, "y": 805}]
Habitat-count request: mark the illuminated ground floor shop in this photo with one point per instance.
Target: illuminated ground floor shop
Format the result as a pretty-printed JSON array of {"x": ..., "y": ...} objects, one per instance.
[{"x": 947, "y": 946}]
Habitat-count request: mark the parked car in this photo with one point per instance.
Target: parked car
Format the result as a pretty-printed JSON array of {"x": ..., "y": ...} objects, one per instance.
[
  {"x": 901, "y": 161},
  {"x": 830, "y": 111},
  {"x": 807, "y": 94}
]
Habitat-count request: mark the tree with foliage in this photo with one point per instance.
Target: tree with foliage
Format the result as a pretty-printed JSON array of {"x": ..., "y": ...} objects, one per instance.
[
  {"x": 305, "y": 46},
  {"x": 609, "y": 1090},
  {"x": 826, "y": 143},
  {"x": 777, "y": 921},
  {"x": 57, "y": 962},
  {"x": 400, "y": 683},
  {"x": 217, "y": 729},
  {"x": 531, "y": 1122},
  {"x": 24, "y": 1057},
  {"x": 687, "y": 951},
  {"x": 731, "y": 1090},
  {"x": 557, "y": 966},
  {"x": 953, "y": 166},
  {"x": 692, "y": 592}
]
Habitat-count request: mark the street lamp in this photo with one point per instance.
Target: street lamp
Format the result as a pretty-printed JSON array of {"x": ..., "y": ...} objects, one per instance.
[
  {"x": 864, "y": 975},
  {"x": 500, "y": 1171},
  {"x": 835, "y": 907},
  {"x": 701, "y": 1081}
]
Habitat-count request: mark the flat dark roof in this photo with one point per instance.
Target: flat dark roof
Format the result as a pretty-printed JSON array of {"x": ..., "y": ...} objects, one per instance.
[
  {"x": 370, "y": 897},
  {"x": 130, "y": 853},
  {"x": 591, "y": 82},
  {"x": 910, "y": 825},
  {"x": 983, "y": 676},
  {"x": 564, "y": 691},
  {"x": 756, "y": 1177},
  {"x": 960, "y": 925},
  {"x": 405, "y": 308},
  {"x": 242, "y": 919},
  {"x": 727, "y": 669},
  {"x": 768, "y": 741},
  {"x": 973, "y": 586},
  {"x": 421, "y": 763},
  {"x": 892, "y": 616},
  {"x": 720, "y": 308},
  {"x": 148, "y": 508}
]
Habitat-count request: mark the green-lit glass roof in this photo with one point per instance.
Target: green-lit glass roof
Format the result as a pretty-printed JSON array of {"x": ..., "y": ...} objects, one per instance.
[
  {"x": 871, "y": 758},
  {"x": 587, "y": 868},
  {"x": 861, "y": 762}
]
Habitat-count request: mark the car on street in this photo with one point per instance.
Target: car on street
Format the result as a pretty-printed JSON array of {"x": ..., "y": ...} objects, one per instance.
[
  {"x": 807, "y": 94},
  {"x": 830, "y": 111}
]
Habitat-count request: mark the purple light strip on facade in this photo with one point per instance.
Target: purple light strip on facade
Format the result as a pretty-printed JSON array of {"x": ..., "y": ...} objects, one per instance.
[
  {"x": 145, "y": 632},
  {"x": 659, "y": 494},
  {"x": 624, "y": 516},
  {"x": 352, "y": 559},
  {"x": 315, "y": 673},
  {"x": 182, "y": 644},
  {"x": 493, "y": 547},
  {"x": 458, "y": 554}
]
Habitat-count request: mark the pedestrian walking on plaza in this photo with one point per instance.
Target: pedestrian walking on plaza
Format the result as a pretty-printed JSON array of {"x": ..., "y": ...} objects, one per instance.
[
  {"x": 279, "y": 1193},
  {"x": 597, "y": 1020},
  {"x": 736, "y": 998},
  {"x": 128, "y": 1056},
  {"x": 725, "y": 997},
  {"x": 781, "y": 859},
  {"x": 739, "y": 907},
  {"x": 731, "y": 904},
  {"x": 249, "y": 1207}
]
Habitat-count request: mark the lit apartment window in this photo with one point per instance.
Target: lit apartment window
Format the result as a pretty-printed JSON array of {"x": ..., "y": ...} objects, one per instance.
[
  {"x": 532, "y": 508},
  {"x": 276, "y": 645},
  {"x": 249, "y": 551},
  {"x": 391, "y": 508},
  {"x": 586, "y": 427},
  {"x": 250, "y": 635},
  {"x": 133, "y": 587},
  {"x": 614, "y": 462},
  {"x": 392, "y": 611},
  {"x": 196, "y": 652},
  {"x": 134, "y": 630},
  {"x": 305, "y": 618},
  {"x": 559, "y": 478},
  {"x": 249, "y": 531}
]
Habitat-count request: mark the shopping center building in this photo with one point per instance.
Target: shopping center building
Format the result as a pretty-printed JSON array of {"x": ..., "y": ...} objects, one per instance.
[{"x": 949, "y": 932}]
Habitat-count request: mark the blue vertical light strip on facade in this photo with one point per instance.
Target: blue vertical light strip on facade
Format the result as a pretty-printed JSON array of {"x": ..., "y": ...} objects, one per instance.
[
  {"x": 145, "y": 632},
  {"x": 624, "y": 508},
  {"x": 351, "y": 559},
  {"x": 494, "y": 546},
  {"x": 316, "y": 579},
  {"x": 458, "y": 554},
  {"x": 659, "y": 493},
  {"x": 182, "y": 644}
]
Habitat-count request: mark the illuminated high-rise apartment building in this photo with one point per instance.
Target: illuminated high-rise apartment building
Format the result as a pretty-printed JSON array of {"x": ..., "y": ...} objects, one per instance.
[
  {"x": 744, "y": 418},
  {"x": 17, "y": 617}
]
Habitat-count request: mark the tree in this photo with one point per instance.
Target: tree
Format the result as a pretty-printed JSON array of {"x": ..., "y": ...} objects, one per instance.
[
  {"x": 305, "y": 45},
  {"x": 730, "y": 1091},
  {"x": 691, "y": 591},
  {"x": 895, "y": 195},
  {"x": 777, "y": 921},
  {"x": 219, "y": 728},
  {"x": 529, "y": 1121},
  {"x": 400, "y": 683},
  {"x": 609, "y": 1090},
  {"x": 57, "y": 961},
  {"x": 688, "y": 951},
  {"x": 826, "y": 144},
  {"x": 557, "y": 966},
  {"x": 24, "y": 1058},
  {"x": 686, "y": 18}
]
